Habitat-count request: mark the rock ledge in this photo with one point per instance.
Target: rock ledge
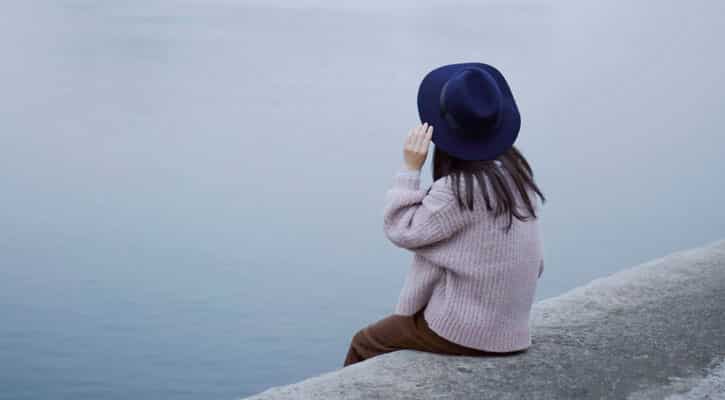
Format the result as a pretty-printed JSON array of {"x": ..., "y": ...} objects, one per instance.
[{"x": 654, "y": 331}]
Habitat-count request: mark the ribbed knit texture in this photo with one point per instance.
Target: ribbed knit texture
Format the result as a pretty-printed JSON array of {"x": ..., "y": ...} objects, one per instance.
[{"x": 477, "y": 280}]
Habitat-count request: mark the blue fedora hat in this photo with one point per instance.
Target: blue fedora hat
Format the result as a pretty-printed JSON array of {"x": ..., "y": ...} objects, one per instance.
[{"x": 471, "y": 108}]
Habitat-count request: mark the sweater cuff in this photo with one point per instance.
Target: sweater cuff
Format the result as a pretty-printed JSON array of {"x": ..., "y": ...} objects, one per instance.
[{"x": 407, "y": 179}]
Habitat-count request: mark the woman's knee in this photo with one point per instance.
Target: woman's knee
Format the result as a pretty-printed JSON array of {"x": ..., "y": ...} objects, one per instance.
[{"x": 358, "y": 338}]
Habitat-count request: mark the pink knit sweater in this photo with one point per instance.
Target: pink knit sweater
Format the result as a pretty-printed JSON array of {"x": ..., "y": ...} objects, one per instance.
[{"x": 477, "y": 281}]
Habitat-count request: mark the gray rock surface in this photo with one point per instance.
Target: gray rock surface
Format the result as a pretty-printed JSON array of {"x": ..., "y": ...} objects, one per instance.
[{"x": 654, "y": 331}]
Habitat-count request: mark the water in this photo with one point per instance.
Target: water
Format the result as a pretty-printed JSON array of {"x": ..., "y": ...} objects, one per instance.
[{"x": 192, "y": 191}]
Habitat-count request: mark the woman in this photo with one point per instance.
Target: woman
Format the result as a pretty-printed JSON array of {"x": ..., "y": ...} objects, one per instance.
[{"x": 474, "y": 272}]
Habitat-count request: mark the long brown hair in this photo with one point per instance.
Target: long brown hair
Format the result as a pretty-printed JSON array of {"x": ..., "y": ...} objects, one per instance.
[{"x": 445, "y": 164}]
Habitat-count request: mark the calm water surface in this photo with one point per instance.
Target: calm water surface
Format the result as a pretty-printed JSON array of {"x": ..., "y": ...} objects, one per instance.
[{"x": 192, "y": 191}]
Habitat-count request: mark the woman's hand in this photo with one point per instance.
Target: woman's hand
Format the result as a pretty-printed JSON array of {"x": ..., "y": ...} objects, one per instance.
[{"x": 416, "y": 146}]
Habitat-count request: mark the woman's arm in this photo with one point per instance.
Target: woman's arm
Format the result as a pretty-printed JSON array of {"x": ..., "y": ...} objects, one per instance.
[{"x": 413, "y": 218}]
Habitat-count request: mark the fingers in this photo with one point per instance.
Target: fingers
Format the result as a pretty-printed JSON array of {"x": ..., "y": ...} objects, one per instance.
[
  {"x": 419, "y": 138},
  {"x": 424, "y": 133},
  {"x": 410, "y": 139}
]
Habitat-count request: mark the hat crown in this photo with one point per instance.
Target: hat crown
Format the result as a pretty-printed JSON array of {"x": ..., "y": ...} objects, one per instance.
[
  {"x": 471, "y": 101},
  {"x": 471, "y": 106}
]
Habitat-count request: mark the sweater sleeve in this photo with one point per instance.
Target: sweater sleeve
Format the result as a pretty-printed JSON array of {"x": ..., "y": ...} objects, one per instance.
[{"x": 413, "y": 218}]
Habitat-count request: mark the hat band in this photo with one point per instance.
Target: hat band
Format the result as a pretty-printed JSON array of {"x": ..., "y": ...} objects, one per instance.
[{"x": 444, "y": 111}]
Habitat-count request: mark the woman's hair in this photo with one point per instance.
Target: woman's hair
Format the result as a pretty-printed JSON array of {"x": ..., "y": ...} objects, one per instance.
[{"x": 512, "y": 161}]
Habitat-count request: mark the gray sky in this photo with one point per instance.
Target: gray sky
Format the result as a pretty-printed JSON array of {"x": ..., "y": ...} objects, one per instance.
[{"x": 183, "y": 116}]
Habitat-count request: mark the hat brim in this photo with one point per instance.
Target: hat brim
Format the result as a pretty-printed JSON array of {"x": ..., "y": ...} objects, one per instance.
[{"x": 481, "y": 148}]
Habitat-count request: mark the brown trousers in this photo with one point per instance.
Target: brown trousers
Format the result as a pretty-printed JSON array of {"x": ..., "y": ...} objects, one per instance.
[{"x": 398, "y": 332}]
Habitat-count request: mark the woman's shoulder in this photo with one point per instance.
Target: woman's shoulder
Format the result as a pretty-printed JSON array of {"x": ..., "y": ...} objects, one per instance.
[
  {"x": 440, "y": 194},
  {"x": 442, "y": 191},
  {"x": 444, "y": 186},
  {"x": 441, "y": 184}
]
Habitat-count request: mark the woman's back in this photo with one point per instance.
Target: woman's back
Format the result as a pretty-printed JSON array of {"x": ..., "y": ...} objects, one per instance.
[{"x": 475, "y": 278}]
